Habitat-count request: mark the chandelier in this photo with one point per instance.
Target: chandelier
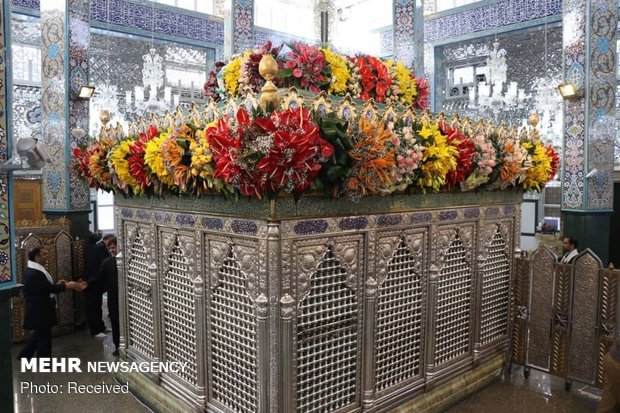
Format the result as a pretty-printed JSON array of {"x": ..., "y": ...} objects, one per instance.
[
  {"x": 152, "y": 80},
  {"x": 489, "y": 94}
]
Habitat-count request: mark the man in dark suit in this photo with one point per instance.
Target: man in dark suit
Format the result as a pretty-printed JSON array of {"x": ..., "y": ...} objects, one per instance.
[
  {"x": 108, "y": 279},
  {"x": 94, "y": 293},
  {"x": 40, "y": 309}
]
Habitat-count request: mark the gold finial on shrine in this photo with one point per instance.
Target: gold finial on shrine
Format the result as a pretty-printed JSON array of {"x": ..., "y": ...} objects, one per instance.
[
  {"x": 268, "y": 67},
  {"x": 533, "y": 120},
  {"x": 104, "y": 117}
]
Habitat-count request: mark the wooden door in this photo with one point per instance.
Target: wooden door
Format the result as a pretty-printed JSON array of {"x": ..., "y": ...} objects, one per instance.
[{"x": 27, "y": 201}]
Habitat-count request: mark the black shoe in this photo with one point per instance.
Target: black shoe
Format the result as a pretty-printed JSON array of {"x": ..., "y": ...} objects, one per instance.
[{"x": 115, "y": 353}]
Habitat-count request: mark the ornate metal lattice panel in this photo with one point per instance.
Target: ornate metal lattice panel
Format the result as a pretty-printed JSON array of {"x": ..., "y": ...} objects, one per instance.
[
  {"x": 561, "y": 315},
  {"x": 179, "y": 314},
  {"x": 495, "y": 290},
  {"x": 233, "y": 340},
  {"x": 453, "y": 312},
  {"x": 139, "y": 299},
  {"x": 583, "y": 344},
  {"x": 399, "y": 321},
  {"x": 327, "y": 340},
  {"x": 541, "y": 311},
  {"x": 521, "y": 298}
]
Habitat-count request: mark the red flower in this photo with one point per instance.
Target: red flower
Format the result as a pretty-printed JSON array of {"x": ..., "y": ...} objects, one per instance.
[
  {"x": 296, "y": 155},
  {"x": 555, "y": 161},
  {"x": 375, "y": 78},
  {"x": 151, "y": 132},
  {"x": 80, "y": 164},
  {"x": 135, "y": 161},
  {"x": 464, "y": 161},
  {"x": 211, "y": 87},
  {"x": 421, "y": 101},
  {"x": 307, "y": 65}
]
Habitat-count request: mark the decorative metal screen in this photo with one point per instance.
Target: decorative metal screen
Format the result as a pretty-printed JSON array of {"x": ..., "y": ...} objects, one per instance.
[
  {"x": 139, "y": 299},
  {"x": 327, "y": 341},
  {"x": 399, "y": 321},
  {"x": 233, "y": 340},
  {"x": 495, "y": 290},
  {"x": 179, "y": 314},
  {"x": 453, "y": 304}
]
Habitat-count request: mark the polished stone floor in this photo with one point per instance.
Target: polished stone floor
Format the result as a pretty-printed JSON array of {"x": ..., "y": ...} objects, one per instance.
[{"x": 539, "y": 393}]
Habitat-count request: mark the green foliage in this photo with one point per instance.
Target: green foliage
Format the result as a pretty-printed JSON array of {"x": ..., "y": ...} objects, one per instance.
[{"x": 335, "y": 171}]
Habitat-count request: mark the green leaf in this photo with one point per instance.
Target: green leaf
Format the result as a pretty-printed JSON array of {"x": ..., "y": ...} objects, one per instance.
[{"x": 284, "y": 73}]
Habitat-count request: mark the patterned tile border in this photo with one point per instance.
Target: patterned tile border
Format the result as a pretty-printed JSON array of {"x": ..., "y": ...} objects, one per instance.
[
  {"x": 6, "y": 276},
  {"x": 488, "y": 16},
  {"x": 138, "y": 15}
]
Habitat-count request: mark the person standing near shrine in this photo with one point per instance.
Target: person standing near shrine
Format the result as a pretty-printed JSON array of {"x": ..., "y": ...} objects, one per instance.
[
  {"x": 40, "y": 304},
  {"x": 94, "y": 293},
  {"x": 570, "y": 250}
]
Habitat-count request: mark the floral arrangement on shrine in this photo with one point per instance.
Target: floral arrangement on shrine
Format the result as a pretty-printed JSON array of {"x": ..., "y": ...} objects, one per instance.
[
  {"x": 320, "y": 69},
  {"x": 296, "y": 150}
]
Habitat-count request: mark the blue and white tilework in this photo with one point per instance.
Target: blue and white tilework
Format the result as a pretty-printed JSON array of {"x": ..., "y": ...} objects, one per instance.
[
  {"x": 389, "y": 220},
  {"x": 489, "y": 16},
  {"x": 408, "y": 42},
  {"x": 448, "y": 215},
  {"x": 31, "y": 4},
  {"x": 79, "y": 40},
  {"x": 353, "y": 223},
  {"x": 139, "y": 16},
  {"x": 5, "y": 233},
  {"x": 244, "y": 227},
  {"x": 315, "y": 226},
  {"x": 53, "y": 100},
  {"x": 243, "y": 25},
  {"x": 215, "y": 224},
  {"x": 586, "y": 120},
  {"x": 603, "y": 64}
]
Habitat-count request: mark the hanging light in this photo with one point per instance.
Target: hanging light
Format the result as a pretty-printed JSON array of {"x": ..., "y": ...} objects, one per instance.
[
  {"x": 105, "y": 102},
  {"x": 490, "y": 94},
  {"x": 152, "y": 80}
]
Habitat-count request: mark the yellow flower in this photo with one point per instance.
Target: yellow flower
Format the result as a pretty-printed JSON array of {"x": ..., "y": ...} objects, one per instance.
[
  {"x": 428, "y": 131},
  {"x": 439, "y": 158},
  {"x": 232, "y": 71},
  {"x": 118, "y": 158},
  {"x": 405, "y": 84},
  {"x": 340, "y": 71},
  {"x": 538, "y": 173},
  {"x": 153, "y": 158}
]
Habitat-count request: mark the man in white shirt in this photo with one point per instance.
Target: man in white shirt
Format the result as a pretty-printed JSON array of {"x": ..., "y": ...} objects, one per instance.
[{"x": 570, "y": 250}]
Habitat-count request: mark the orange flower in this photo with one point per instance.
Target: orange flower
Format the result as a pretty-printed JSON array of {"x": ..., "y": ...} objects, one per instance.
[{"x": 373, "y": 162}]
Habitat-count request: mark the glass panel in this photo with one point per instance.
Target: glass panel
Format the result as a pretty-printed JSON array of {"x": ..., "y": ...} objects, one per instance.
[
  {"x": 434, "y": 6},
  {"x": 205, "y": 6},
  {"x": 186, "y": 4},
  {"x": 358, "y": 25},
  {"x": 26, "y": 63},
  {"x": 105, "y": 198},
  {"x": 294, "y": 17},
  {"x": 463, "y": 75},
  {"x": 105, "y": 218}
]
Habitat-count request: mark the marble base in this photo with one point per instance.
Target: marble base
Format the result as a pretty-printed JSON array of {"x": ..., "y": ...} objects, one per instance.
[
  {"x": 437, "y": 400},
  {"x": 456, "y": 390}
]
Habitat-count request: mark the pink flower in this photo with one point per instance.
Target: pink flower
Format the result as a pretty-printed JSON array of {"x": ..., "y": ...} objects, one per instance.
[{"x": 297, "y": 72}]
